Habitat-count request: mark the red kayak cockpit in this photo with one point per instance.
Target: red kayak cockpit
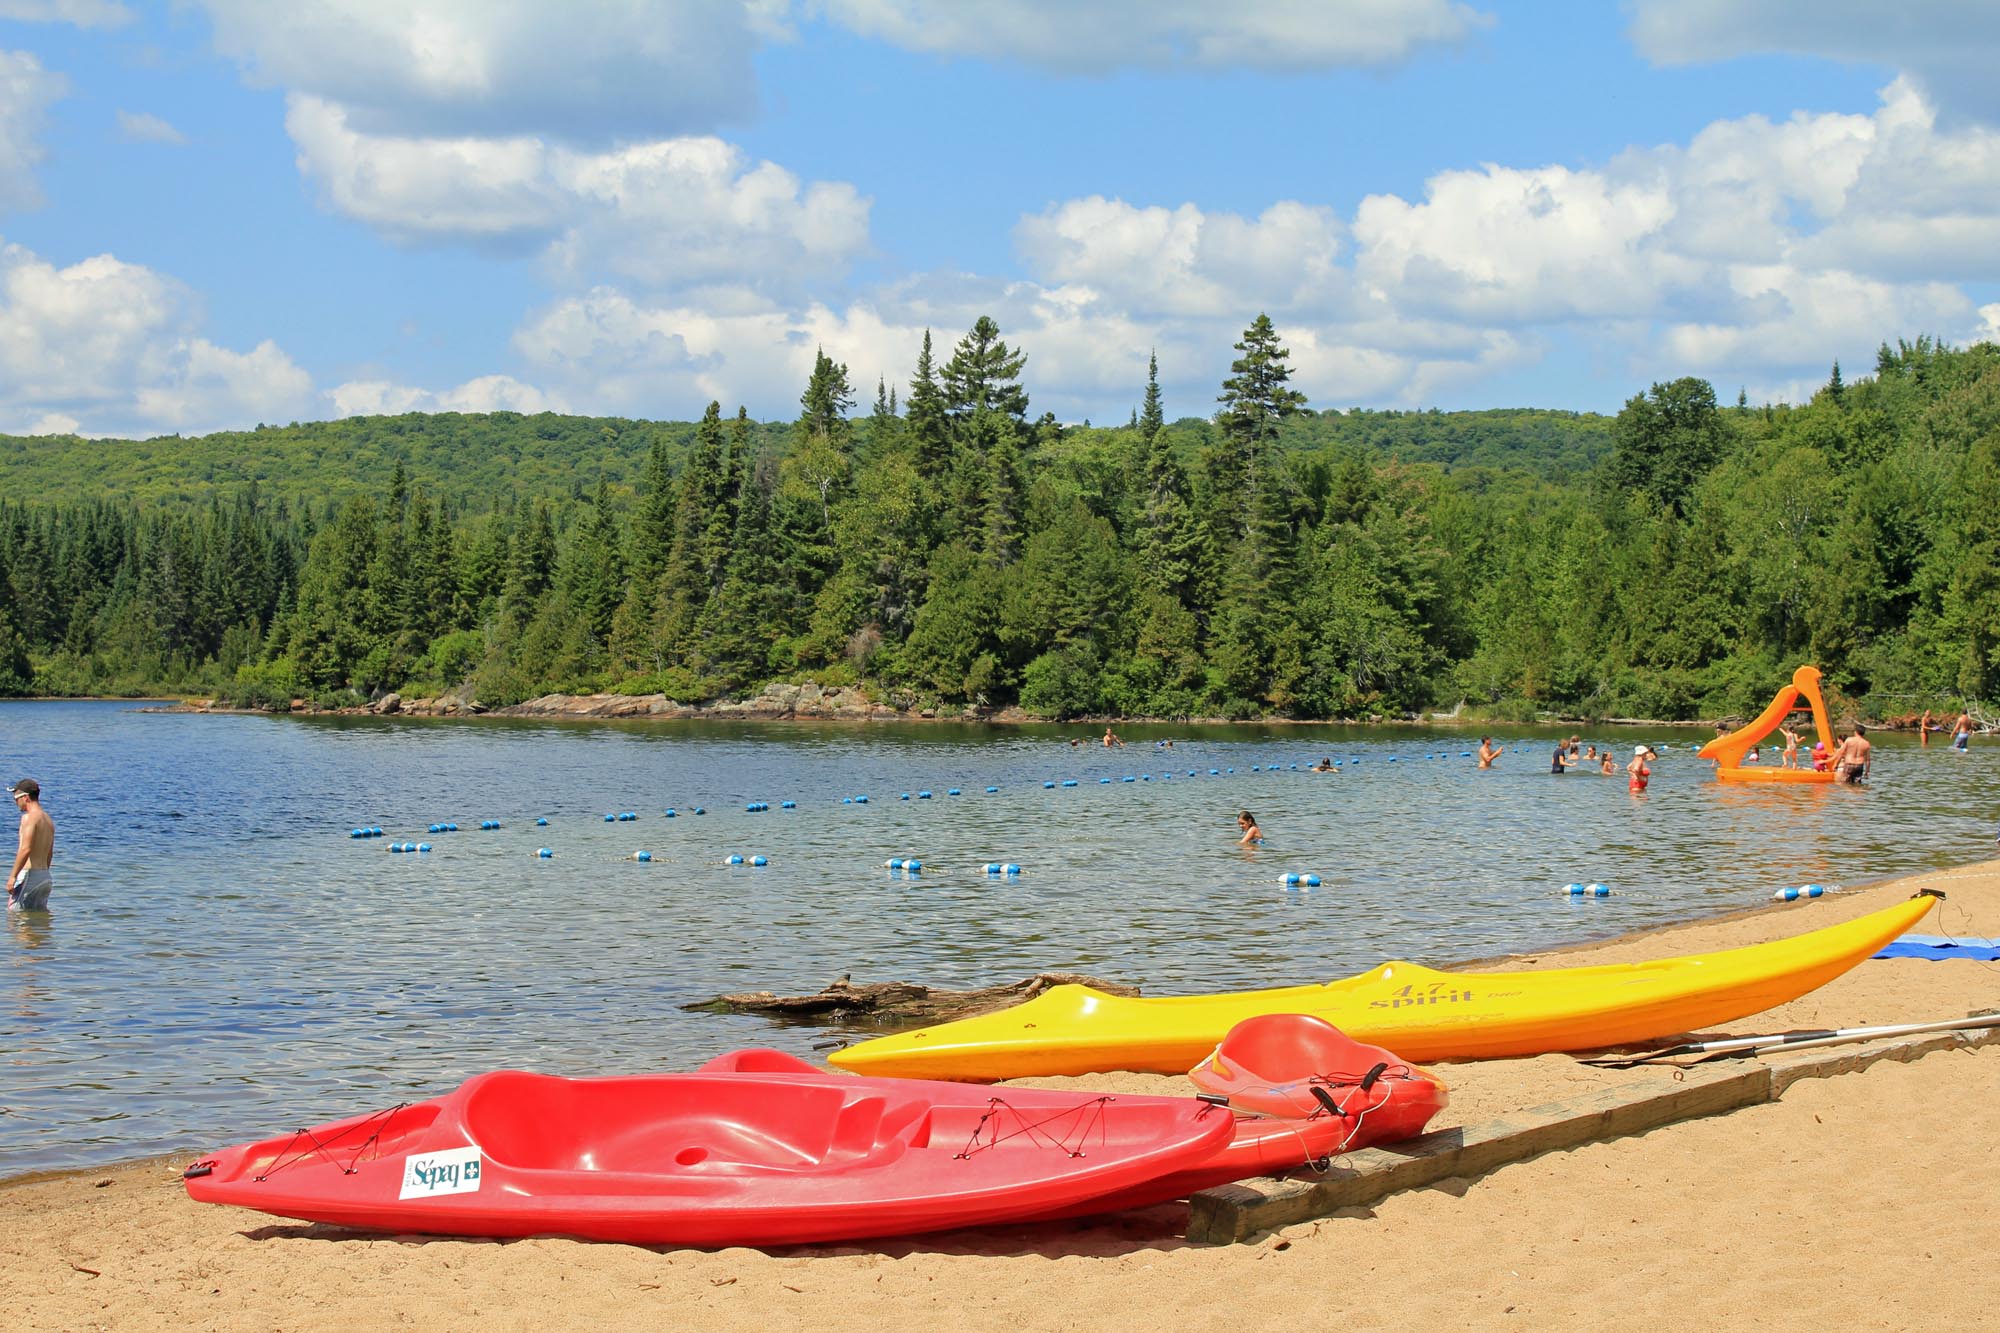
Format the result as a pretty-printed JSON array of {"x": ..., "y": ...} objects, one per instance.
[{"x": 1301, "y": 1066}]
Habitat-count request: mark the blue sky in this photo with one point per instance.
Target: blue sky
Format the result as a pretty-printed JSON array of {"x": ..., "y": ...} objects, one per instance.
[{"x": 219, "y": 212}]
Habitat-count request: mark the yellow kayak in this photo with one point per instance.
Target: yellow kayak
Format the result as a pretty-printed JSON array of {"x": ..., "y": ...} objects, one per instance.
[{"x": 1419, "y": 1013}]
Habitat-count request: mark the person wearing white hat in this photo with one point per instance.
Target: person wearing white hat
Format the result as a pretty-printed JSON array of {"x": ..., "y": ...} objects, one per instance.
[{"x": 1637, "y": 771}]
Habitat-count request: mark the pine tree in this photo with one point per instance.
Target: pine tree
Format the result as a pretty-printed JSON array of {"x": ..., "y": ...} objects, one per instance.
[
  {"x": 929, "y": 427},
  {"x": 1151, "y": 418},
  {"x": 984, "y": 375}
]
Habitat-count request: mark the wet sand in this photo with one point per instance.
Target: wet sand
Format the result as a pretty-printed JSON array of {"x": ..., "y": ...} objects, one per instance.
[{"x": 1863, "y": 1200}]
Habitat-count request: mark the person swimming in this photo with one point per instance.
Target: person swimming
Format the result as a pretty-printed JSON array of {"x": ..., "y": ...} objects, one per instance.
[{"x": 1252, "y": 835}]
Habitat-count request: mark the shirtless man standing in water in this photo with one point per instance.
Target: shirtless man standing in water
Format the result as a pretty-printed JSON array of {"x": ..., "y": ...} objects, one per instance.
[
  {"x": 28, "y": 882},
  {"x": 1851, "y": 763},
  {"x": 1488, "y": 751}
]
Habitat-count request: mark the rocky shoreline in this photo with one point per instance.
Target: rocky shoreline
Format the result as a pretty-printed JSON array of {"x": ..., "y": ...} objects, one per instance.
[
  {"x": 775, "y": 702},
  {"x": 821, "y": 703}
]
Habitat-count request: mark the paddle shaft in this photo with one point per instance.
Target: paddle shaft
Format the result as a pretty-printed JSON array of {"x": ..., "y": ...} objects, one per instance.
[{"x": 1806, "y": 1040}]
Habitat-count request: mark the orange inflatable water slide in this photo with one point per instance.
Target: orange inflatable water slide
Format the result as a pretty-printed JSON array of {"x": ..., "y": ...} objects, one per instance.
[{"x": 1728, "y": 751}]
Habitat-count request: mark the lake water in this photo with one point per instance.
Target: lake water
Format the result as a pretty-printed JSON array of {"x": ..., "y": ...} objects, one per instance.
[{"x": 224, "y": 961}]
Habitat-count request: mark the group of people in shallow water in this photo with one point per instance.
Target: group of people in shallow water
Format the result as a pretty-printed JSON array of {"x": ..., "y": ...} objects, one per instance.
[
  {"x": 1572, "y": 754},
  {"x": 1849, "y": 759},
  {"x": 1961, "y": 730}
]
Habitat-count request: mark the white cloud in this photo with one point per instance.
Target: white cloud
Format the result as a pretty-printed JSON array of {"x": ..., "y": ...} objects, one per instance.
[
  {"x": 1506, "y": 246},
  {"x": 26, "y": 90},
  {"x": 203, "y": 384},
  {"x": 145, "y": 127},
  {"x": 488, "y": 393},
  {"x": 1097, "y": 36},
  {"x": 1756, "y": 253},
  {"x": 82, "y": 13},
  {"x": 665, "y": 213},
  {"x": 1182, "y": 261},
  {"x": 1786, "y": 312},
  {"x": 52, "y": 423},
  {"x": 111, "y": 347},
  {"x": 1946, "y": 46},
  {"x": 592, "y": 72}
]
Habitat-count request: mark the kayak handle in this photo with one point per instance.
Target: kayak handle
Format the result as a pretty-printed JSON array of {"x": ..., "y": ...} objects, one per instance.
[
  {"x": 1325, "y": 1098},
  {"x": 1368, "y": 1081},
  {"x": 199, "y": 1169},
  {"x": 1212, "y": 1098}
]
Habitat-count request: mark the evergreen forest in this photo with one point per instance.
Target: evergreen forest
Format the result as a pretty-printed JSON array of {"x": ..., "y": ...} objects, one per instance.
[{"x": 945, "y": 546}]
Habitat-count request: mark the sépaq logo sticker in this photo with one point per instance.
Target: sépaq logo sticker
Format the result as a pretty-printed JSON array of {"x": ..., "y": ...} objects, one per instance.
[{"x": 455, "y": 1171}]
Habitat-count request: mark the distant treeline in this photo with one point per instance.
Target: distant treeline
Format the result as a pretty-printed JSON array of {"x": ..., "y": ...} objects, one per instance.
[{"x": 946, "y": 547}]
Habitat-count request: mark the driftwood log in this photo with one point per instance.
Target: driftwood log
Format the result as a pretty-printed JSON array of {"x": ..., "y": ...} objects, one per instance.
[{"x": 900, "y": 1001}]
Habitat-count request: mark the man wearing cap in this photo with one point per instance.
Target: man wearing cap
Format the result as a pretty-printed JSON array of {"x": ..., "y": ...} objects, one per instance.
[{"x": 28, "y": 882}]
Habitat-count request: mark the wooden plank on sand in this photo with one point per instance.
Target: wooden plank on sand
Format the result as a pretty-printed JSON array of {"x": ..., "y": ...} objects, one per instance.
[{"x": 1231, "y": 1213}]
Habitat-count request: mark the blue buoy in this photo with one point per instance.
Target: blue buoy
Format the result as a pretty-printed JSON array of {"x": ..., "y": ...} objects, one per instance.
[
  {"x": 734, "y": 859},
  {"x": 1312, "y": 881},
  {"x": 395, "y": 846},
  {"x": 1255, "y": 768},
  {"x": 642, "y": 856},
  {"x": 355, "y": 833},
  {"x": 1802, "y": 891},
  {"x": 751, "y": 808},
  {"x": 544, "y": 852},
  {"x": 1215, "y": 772},
  {"x": 923, "y": 796},
  {"x": 543, "y": 823},
  {"x": 788, "y": 805},
  {"x": 904, "y": 797},
  {"x": 893, "y": 863},
  {"x": 672, "y": 813},
  {"x": 847, "y": 800},
  {"x": 859, "y": 800},
  {"x": 1587, "y": 890},
  {"x": 1291, "y": 878},
  {"x": 1046, "y": 786},
  {"x": 989, "y": 790},
  {"x": 1069, "y": 782},
  {"x": 1104, "y": 782},
  {"x": 451, "y": 828},
  {"x": 992, "y": 867},
  {"x": 759, "y": 861},
  {"x": 913, "y": 865},
  {"x": 700, "y": 811},
  {"x": 1010, "y": 869},
  {"x": 1130, "y": 778},
  {"x": 611, "y": 819},
  {"x": 423, "y": 846}
]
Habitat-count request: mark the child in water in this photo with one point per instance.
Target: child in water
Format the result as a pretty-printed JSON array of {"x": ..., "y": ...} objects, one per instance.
[{"x": 1252, "y": 835}]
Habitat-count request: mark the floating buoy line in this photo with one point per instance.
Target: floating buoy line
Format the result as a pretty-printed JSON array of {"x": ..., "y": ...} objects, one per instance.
[{"x": 912, "y": 866}]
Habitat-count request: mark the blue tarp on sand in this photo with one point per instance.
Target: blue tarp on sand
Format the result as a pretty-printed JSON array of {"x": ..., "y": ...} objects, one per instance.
[{"x": 1939, "y": 947}]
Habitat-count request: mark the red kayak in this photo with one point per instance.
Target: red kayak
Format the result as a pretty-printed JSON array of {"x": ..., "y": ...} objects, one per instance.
[
  {"x": 713, "y": 1159},
  {"x": 1258, "y": 1145},
  {"x": 1299, "y": 1065}
]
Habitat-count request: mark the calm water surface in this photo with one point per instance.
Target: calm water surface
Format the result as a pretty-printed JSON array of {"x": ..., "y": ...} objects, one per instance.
[{"x": 223, "y": 961}]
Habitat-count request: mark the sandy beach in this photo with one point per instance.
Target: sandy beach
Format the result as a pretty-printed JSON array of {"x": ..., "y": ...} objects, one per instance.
[{"x": 1863, "y": 1200}]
